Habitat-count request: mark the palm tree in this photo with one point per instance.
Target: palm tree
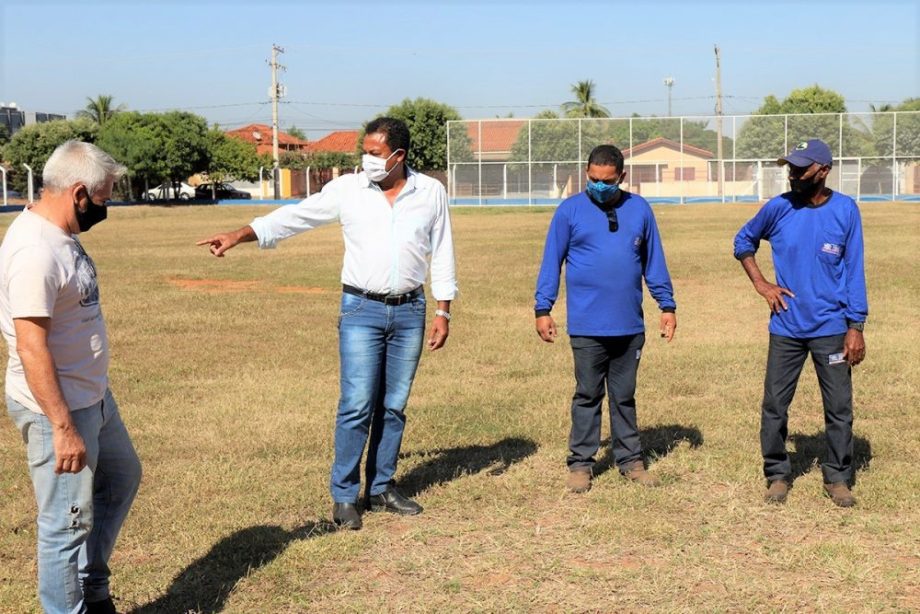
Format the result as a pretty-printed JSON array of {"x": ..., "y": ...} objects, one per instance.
[
  {"x": 100, "y": 109},
  {"x": 584, "y": 104}
]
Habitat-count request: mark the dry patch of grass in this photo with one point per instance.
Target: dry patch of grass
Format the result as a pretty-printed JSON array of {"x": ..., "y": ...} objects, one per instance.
[{"x": 227, "y": 374}]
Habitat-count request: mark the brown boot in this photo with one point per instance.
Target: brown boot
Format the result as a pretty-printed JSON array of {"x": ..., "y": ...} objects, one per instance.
[
  {"x": 777, "y": 491},
  {"x": 636, "y": 472},
  {"x": 840, "y": 494},
  {"x": 579, "y": 480}
]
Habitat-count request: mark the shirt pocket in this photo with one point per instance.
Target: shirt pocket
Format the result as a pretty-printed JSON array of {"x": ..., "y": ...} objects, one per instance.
[{"x": 830, "y": 249}]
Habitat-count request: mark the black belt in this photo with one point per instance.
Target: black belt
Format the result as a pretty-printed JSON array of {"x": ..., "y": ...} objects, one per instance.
[{"x": 386, "y": 299}]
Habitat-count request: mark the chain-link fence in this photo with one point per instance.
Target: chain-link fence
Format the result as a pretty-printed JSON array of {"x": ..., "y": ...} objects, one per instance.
[{"x": 680, "y": 159}]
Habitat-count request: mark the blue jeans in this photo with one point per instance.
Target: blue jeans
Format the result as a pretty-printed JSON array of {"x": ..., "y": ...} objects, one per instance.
[
  {"x": 79, "y": 514},
  {"x": 379, "y": 350}
]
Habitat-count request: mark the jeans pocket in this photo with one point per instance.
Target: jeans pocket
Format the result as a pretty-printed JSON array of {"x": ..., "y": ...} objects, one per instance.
[
  {"x": 35, "y": 443},
  {"x": 418, "y": 305},
  {"x": 351, "y": 305}
]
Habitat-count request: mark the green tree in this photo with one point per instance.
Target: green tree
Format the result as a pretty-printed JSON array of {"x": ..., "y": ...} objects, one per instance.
[
  {"x": 813, "y": 112},
  {"x": 158, "y": 146},
  {"x": 908, "y": 129},
  {"x": 584, "y": 105},
  {"x": 297, "y": 133},
  {"x": 4, "y": 135},
  {"x": 231, "y": 158},
  {"x": 427, "y": 121},
  {"x": 34, "y": 144},
  {"x": 100, "y": 109}
]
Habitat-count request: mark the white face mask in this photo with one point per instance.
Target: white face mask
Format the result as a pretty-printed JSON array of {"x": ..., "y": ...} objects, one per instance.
[{"x": 376, "y": 168}]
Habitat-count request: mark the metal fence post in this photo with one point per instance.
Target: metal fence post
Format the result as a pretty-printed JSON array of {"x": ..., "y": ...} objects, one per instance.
[
  {"x": 31, "y": 184},
  {"x": 480, "y": 163}
]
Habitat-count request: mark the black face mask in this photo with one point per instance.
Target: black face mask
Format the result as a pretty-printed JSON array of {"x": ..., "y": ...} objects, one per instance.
[
  {"x": 92, "y": 215},
  {"x": 805, "y": 188}
]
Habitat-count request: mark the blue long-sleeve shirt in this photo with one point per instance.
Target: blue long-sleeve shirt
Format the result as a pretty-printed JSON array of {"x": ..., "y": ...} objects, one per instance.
[
  {"x": 603, "y": 269},
  {"x": 818, "y": 255}
]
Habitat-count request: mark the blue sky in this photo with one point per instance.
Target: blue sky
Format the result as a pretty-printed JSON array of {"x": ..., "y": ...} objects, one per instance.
[{"x": 348, "y": 61}]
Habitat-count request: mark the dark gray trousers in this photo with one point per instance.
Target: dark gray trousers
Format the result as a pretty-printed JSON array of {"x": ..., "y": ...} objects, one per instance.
[
  {"x": 784, "y": 365},
  {"x": 613, "y": 361}
]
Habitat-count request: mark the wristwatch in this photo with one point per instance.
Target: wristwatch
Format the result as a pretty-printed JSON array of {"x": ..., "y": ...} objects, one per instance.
[
  {"x": 860, "y": 326},
  {"x": 442, "y": 313}
]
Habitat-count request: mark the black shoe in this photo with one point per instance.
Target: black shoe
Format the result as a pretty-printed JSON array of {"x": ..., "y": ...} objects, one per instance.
[
  {"x": 101, "y": 607},
  {"x": 391, "y": 501},
  {"x": 346, "y": 516}
]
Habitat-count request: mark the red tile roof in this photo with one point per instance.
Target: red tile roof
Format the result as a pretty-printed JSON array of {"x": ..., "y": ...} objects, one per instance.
[
  {"x": 261, "y": 135},
  {"x": 496, "y": 135},
  {"x": 345, "y": 141}
]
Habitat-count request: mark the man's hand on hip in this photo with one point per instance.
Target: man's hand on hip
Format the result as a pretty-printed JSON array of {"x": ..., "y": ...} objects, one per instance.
[
  {"x": 773, "y": 294},
  {"x": 546, "y": 328}
]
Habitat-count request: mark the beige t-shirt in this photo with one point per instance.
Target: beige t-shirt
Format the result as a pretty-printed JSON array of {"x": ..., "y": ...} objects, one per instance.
[{"x": 44, "y": 272}]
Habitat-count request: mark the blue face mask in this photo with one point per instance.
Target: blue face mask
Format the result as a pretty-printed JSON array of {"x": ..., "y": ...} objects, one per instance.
[{"x": 602, "y": 192}]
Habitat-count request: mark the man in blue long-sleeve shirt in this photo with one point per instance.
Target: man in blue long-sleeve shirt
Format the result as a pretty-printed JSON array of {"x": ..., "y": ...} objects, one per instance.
[
  {"x": 817, "y": 305},
  {"x": 609, "y": 242}
]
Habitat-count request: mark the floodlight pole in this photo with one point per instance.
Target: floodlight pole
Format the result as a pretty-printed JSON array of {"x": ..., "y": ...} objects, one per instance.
[
  {"x": 31, "y": 183},
  {"x": 669, "y": 82},
  {"x": 719, "y": 119}
]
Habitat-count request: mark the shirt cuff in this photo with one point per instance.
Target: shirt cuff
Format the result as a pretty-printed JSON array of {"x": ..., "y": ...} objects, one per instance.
[
  {"x": 539, "y": 313},
  {"x": 744, "y": 255},
  {"x": 266, "y": 240},
  {"x": 668, "y": 309},
  {"x": 444, "y": 291}
]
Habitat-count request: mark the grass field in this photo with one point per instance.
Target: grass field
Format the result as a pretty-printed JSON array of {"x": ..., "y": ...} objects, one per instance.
[{"x": 227, "y": 375}]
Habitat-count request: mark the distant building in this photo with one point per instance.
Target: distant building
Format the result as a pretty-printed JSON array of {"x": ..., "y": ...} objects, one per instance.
[
  {"x": 341, "y": 141},
  {"x": 15, "y": 118},
  {"x": 261, "y": 136}
]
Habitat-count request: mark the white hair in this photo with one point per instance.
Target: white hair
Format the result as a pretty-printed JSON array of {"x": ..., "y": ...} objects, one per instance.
[{"x": 76, "y": 162}]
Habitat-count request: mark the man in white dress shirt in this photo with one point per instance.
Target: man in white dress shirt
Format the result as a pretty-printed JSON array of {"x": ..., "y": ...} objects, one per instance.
[{"x": 393, "y": 220}]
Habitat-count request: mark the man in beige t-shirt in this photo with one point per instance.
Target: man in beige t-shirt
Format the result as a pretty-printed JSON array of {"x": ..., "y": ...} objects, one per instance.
[{"x": 57, "y": 388}]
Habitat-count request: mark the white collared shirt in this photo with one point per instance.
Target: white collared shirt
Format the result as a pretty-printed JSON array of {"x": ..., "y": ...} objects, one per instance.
[{"x": 386, "y": 247}]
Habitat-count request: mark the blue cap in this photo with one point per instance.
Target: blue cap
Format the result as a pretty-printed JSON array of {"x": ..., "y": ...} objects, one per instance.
[{"x": 808, "y": 152}]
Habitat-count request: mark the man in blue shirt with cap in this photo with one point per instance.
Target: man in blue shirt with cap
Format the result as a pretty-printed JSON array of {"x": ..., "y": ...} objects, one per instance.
[
  {"x": 609, "y": 242},
  {"x": 818, "y": 306}
]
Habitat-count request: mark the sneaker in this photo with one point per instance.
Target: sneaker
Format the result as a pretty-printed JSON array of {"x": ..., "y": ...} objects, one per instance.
[
  {"x": 777, "y": 491},
  {"x": 635, "y": 472},
  {"x": 579, "y": 480},
  {"x": 840, "y": 494}
]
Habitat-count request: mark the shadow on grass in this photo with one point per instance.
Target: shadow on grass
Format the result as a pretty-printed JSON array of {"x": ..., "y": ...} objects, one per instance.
[
  {"x": 657, "y": 442},
  {"x": 810, "y": 449},
  {"x": 205, "y": 585},
  {"x": 453, "y": 463}
]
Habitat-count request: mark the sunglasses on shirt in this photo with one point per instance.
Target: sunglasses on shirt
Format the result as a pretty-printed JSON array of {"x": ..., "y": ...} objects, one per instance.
[{"x": 612, "y": 223}]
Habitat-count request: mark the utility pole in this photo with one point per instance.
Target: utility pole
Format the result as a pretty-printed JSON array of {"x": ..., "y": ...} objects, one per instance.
[
  {"x": 275, "y": 94},
  {"x": 669, "y": 81},
  {"x": 721, "y": 166}
]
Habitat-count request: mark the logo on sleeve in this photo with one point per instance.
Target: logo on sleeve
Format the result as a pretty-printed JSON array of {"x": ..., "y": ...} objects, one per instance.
[
  {"x": 830, "y": 248},
  {"x": 637, "y": 241}
]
